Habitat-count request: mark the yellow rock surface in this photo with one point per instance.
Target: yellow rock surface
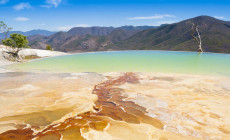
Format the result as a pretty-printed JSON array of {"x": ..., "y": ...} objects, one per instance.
[{"x": 114, "y": 106}]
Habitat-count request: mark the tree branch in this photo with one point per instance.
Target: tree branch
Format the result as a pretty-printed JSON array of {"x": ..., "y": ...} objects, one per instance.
[{"x": 198, "y": 38}]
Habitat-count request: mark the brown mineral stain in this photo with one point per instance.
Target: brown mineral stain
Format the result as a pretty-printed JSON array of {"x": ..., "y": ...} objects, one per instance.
[
  {"x": 42, "y": 118},
  {"x": 197, "y": 127},
  {"x": 19, "y": 134},
  {"x": 110, "y": 104},
  {"x": 72, "y": 133},
  {"x": 98, "y": 125},
  {"x": 50, "y": 136},
  {"x": 163, "y": 138},
  {"x": 118, "y": 109},
  {"x": 214, "y": 116},
  {"x": 224, "y": 130}
]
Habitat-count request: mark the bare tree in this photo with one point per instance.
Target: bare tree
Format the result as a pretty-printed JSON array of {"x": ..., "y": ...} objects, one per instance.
[
  {"x": 196, "y": 36},
  {"x": 4, "y": 29}
]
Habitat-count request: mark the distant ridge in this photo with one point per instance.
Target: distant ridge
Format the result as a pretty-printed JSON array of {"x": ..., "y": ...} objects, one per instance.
[
  {"x": 215, "y": 37},
  {"x": 30, "y": 33},
  {"x": 85, "y": 38},
  {"x": 100, "y": 31}
]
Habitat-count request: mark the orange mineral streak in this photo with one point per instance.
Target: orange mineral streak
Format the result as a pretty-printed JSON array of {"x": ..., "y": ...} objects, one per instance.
[
  {"x": 110, "y": 105},
  {"x": 19, "y": 134}
]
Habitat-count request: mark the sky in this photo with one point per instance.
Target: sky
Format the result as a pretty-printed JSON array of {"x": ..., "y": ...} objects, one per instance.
[{"x": 61, "y": 15}]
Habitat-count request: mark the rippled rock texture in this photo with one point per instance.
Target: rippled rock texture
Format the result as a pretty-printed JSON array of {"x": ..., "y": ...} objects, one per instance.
[{"x": 113, "y": 106}]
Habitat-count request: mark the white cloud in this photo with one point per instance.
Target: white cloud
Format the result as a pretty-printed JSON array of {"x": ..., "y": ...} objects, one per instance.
[
  {"x": 52, "y": 3},
  {"x": 66, "y": 28},
  {"x": 82, "y": 25},
  {"x": 46, "y": 6},
  {"x": 220, "y": 17},
  {"x": 3, "y": 1},
  {"x": 22, "y": 6},
  {"x": 156, "y": 16},
  {"x": 21, "y": 19},
  {"x": 165, "y": 22}
]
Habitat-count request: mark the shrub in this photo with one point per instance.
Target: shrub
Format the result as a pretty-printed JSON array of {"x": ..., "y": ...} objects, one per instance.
[{"x": 48, "y": 47}]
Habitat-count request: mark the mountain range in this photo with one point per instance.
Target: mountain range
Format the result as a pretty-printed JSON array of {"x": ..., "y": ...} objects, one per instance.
[
  {"x": 215, "y": 36},
  {"x": 29, "y": 33},
  {"x": 81, "y": 39}
]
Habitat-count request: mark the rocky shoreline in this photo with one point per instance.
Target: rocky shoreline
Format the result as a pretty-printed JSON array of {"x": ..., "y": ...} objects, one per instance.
[{"x": 26, "y": 53}]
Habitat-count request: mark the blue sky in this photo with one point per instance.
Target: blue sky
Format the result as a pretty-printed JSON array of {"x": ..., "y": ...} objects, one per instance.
[{"x": 56, "y": 15}]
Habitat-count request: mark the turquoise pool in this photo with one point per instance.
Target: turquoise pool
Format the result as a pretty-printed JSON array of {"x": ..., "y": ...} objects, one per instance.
[{"x": 133, "y": 61}]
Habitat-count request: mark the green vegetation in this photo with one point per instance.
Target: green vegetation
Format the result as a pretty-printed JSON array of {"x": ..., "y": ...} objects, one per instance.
[
  {"x": 48, "y": 47},
  {"x": 16, "y": 42},
  {"x": 30, "y": 57},
  {"x": 87, "y": 36},
  {"x": 101, "y": 39}
]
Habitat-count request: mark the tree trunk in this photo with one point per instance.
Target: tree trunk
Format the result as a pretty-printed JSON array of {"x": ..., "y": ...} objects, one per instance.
[
  {"x": 198, "y": 38},
  {"x": 12, "y": 55},
  {"x": 200, "y": 42},
  {"x": 6, "y": 36}
]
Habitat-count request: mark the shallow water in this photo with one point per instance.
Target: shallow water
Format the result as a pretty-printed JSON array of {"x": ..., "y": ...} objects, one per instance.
[{"x": 134, "y": 61}]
